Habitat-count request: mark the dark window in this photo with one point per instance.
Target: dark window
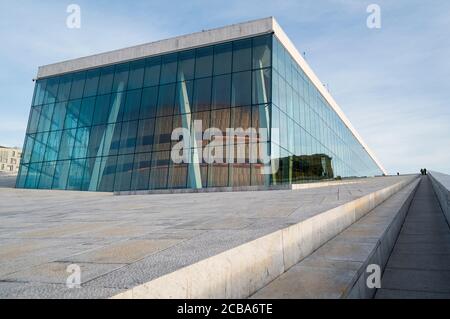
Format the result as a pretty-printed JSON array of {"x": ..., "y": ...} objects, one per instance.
[
  {"x": 121, "y": 77},
  {"x": 203, "y": 62},
  {"x": 202, "y": 94},
  {"x": 221, "y": 91},
  {"x": 76, "y": 92},
  {"x": 169, "y": 68},
  {"x": 241, "y": 89},
  {"x": 132, "y": 105},
  {"x": 101, "y": 112},
  {"x": 64, "y": 87},
  {"x": 261, "y": 51},
  {"x": 136, "y": 78},
  {"x": 242, "y": 55},
  {"x": 166, "y": 99},
  {"x": 149, "y": 102},
  {"x": 92, "y": 78},
  {"x": 186, "y": 61},
  {"x": 222, "y": 58},
  {"x": 106, "y": 80},
  {"x": 152, "y": 71}
]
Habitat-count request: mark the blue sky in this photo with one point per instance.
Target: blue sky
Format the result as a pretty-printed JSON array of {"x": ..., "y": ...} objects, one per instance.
[{"x": 392, "y": 83}]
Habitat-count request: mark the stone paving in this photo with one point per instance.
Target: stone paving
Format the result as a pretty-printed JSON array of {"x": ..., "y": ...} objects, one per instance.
[{"x": 123, "y": 241}]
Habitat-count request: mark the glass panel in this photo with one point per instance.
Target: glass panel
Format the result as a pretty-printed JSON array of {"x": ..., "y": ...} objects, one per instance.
[
  {"x": 166, "y": 99},
  {"x": 169, "y": 68},
  {"x": 92, "y": 77},
  {"x": 203, "y": 117},
  {"x": 241, "y": 117},
  {"x": 136, "y": 78},
  {"x": 163, "y": 132},
  {"x": 28, "y": 148},
  {"x": 34, "y": 119},
  {"x": 132, "y": 105},
  {"x": 149, "y": 102},
  {"x": 106, "y": 80},
  {"x": 202, "y": 94},
  {"x": 61, "y": 175},
  {"x": 124, "y": 170},
  {"x": 186, "y": 61},
  {"x": 221, "y": 91},
  {"x": 75, "y": 179},
  {"x": 95, "y": 146},
  {"x": 107, "y": 172},
  {"x": 121, "y": 77},
  {"x": 46, "y": 118},
  {"x": 76, "y": 92},
  {"x": 64, "y": 88},
  {"x": 241, "y": 89},
  {"x": 81, "y": 142},
  {"x": 39, "y": 147},
  {"x": 261, "y": 86},
  {"x": 51, "y": 90},
  {"x": 66, "y": 147},
  {"x": 46, "y": 177},
  {"x": 34, "y": 172},
  {"x": 152, "y": 71},
  {"x": 128, "y": 137},
  {"x": 177, "y": 175},
  {"x": 145, "y": 135},
  {"x": 111, "y": 139},
  {"x": 221, "y": 119},
  {"x": 261, "y": 51},
  {"x": 203, "y": 62},
  {"x": 183, "y": 98},
  {"x": 72, "y": 114},
  {"x": 39, "y": 93},
  {"x": 159, "y": 170},
  {"x": 22, "y": 176},
  {"x": 86, "y": 111},
  {"x": 141, "y": 171},
  {"x": 53, "y": 144},
  {"x": 222, "y": 58},
  {"x": 117, "y": 107},
  {"x": 240, "y": 175},
  {"x": 242, "y": 55},
  {"x": 197, "y": 173},
  {"x": 101, "y": 112},
  {"x": 218, "y": 175}
]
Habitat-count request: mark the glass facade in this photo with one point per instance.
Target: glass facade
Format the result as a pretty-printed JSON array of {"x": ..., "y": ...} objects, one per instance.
[
  {"x": 110, "y": 128},
  {"x": 313, "y": 142}
]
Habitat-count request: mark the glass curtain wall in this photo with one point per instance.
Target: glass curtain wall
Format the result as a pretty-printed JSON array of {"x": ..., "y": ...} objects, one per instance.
[
  {"x": 109, "y": 128},
  {"x": 313, "y": 142}
]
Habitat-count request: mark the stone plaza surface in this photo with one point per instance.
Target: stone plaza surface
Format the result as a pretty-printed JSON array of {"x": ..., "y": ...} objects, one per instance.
[{"x": 124, "y": 241}]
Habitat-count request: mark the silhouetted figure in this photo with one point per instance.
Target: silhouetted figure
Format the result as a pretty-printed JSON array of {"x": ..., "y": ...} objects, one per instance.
[
  {"x": 398, "y": 174},
  {"x": 421, "y": 171},
  {"x": 424, "y": 171}
]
